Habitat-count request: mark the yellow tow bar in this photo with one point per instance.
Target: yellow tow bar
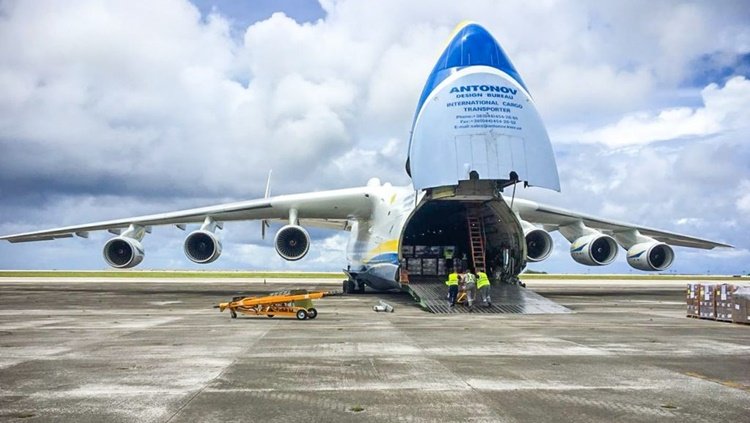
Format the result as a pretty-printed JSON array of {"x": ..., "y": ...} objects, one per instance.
[{"x": 295, "y": 303}]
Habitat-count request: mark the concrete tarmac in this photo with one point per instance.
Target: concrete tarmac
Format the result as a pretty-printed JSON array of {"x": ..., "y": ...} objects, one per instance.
[{"x": 156, "y": 351}]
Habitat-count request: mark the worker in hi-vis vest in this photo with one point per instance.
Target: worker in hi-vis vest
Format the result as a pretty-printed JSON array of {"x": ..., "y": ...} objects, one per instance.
[
  {"x": 483, "y": 286},
  {"x": 452, "y": 283}
]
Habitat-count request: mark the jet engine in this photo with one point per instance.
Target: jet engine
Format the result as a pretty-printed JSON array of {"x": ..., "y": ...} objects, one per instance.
[
  {"x": 202, "y": 246},
  {"x": 650, "y": 256},
  {"x": 538, "y": 244},
  {"x": 123, "y": 252},
  {"x": 594, "y": 249},
  {"x": 292, "y": 242}
]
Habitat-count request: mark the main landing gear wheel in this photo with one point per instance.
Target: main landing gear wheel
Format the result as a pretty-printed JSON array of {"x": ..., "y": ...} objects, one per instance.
[
  {"x": 301, "y": 315},
  {"x": 233, "y": 313},
  {"x": 348, "y": 287},
  {"x": 312, "y": 313}
]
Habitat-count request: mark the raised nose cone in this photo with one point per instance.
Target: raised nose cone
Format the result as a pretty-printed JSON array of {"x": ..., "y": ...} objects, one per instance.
[
  {"x": 470, "y": 45},
  {"x": 476, "y": 117}
]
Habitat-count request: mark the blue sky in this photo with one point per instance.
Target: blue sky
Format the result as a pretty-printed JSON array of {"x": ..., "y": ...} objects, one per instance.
[
  {"x": 117, "y": 109},
  {"x": 242, "y": 14}
]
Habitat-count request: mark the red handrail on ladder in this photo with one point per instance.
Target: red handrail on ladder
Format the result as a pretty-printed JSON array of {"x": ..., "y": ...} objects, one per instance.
[{"x": 476, "y": 239}]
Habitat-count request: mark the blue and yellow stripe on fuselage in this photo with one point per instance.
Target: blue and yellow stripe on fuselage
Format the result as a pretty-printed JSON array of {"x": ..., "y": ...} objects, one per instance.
[{"x": 385, "y": 252}]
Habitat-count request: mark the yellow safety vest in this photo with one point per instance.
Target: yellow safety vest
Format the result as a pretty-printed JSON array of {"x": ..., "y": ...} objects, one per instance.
[
  {"x": 482, "y": 280},
  {"x": 452, "y": 279}
]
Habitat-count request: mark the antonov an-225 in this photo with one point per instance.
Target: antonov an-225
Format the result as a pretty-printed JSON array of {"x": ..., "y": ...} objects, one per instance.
[{"x": 476, "y": 134}]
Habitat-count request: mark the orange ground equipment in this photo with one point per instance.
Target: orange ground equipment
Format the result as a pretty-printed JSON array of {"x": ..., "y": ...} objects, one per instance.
[{"x": 295, "y": 303}]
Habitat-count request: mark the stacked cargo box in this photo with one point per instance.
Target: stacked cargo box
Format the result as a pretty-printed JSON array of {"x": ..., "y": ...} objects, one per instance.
[
  {"x": 724, "y": 302},
  {"x": 428, "y": 260},
  {"x": 441, "y": 269},
  {"x": 741, "y": 309},
  {"x": 707, "y": 301},
  {"x": 414, "y": 266},
  {"x": 693, "y": 302},
  {"x": 429, "y": 266}
]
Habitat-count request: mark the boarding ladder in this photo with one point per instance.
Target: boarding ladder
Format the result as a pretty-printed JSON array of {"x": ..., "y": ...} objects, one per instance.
[{"x": 476, "y": 238}]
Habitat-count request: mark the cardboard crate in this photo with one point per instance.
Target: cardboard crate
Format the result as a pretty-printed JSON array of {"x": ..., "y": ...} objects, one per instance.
[
  {"x": 707, "y": 301},
  {"x": 421, "y": 251},
  {"x": 741, "y": 303},
  {"x": 441, "y": 267},
  {"x": 692, "y": 300},
  {"x": 414, "y": 266},
  {"x": 434, "y": 251},
  {"x": 429, "y": 266},
  {"x": 725, "y": 301}
]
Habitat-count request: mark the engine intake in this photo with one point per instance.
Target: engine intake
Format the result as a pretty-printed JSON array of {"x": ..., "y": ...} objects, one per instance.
[
  {"x": 538, "y": 244},
  {"x": 650, "y": 256},
  {"x": 594, "y": 250},
  {"x": 292, "y": 242},
  {"x": 122, "y": 252},
  {"x": 202, "y": 246}
]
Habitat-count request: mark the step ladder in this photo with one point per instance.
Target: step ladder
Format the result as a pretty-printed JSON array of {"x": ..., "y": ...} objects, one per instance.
[{"x": 476, "y": 239}]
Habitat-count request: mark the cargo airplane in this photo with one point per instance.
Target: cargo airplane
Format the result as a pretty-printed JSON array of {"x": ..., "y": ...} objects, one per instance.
[{"x": 475, "y": 137}]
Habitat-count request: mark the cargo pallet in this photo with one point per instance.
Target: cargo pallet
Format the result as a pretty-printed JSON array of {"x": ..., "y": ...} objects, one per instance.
[
  {"x": 295, "y": 303},
  {"x": 718, "y": 302}
]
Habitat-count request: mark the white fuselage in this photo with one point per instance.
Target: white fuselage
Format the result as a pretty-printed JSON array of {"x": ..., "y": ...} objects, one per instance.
[{"x": 374, "y": 242}]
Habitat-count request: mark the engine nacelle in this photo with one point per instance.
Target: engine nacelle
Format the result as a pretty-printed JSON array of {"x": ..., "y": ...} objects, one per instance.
[
  {"x": 123, "y": 252},
  {"x": 538, "y": 244},
  {"x": 202, "y": 246},
  {"x": 650, "y": 256},
  {"x": 292, "y": 242},
  {"x": 594, "y": 250}
]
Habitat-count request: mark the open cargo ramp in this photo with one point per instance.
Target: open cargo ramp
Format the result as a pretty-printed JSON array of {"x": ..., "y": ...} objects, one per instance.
[{"x": 431, "y": 293}]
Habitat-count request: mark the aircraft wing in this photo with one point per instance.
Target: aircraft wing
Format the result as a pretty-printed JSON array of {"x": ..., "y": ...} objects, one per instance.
[
  {"x": 325, "y": 209},
  {"x": 553, "y": 217}
]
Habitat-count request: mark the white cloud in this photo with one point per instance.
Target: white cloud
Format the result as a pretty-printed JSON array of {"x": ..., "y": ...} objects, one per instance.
[
  {"x": 689, "y": 221},
  {"x": 743, "y": 202},
  {"x": 726, "y": 109}
]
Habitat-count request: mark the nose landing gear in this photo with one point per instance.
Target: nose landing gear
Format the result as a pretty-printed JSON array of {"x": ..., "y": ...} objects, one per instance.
[{"x": 353, "y": 287}]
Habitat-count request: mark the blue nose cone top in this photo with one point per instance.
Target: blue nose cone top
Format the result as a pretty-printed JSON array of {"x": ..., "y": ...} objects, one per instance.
[{"x": 471, "y": 45}]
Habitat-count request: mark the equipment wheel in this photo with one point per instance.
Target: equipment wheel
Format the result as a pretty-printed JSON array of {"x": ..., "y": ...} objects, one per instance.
[
  {"x": 312, "y": 313},
  {"x": 301, "y": 315},
  {"x": 269, "y": 315}
]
